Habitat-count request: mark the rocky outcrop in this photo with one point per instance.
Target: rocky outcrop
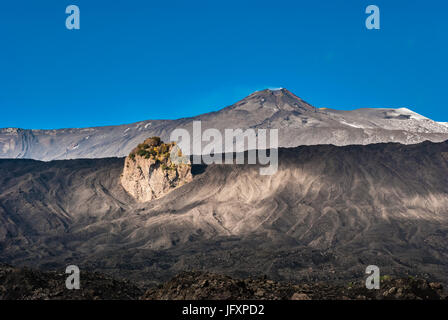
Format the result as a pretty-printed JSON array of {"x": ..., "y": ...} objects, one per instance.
[{"x": 153, "y": 169}]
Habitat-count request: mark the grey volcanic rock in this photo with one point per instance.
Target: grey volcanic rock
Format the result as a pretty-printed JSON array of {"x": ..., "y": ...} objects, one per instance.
[
  {"x": 152, "y": 176},
  {"x": 29, "y": 284},
  {"x": 298, "y": 122},
  {"x": 208, "y": 286},
  {"x": 325, "y": 215}
]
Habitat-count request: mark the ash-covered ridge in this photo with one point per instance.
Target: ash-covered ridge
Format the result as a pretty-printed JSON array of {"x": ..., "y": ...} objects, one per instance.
[{"x": 326, "y": 214}]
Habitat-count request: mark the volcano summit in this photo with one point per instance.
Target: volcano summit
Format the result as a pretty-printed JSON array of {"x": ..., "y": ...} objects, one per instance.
[{"x": 298, "y": 123}]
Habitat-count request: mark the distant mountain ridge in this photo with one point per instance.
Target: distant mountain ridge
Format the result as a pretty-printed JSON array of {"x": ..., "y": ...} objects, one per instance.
[{"x": 299, "y": 123}]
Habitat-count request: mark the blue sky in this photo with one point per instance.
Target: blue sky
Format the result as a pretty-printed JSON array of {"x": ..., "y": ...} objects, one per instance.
[{"x": 136, "y": 60}]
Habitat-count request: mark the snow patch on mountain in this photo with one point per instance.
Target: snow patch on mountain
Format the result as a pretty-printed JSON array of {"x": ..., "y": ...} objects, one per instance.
[{"x": 412, "y": 114}]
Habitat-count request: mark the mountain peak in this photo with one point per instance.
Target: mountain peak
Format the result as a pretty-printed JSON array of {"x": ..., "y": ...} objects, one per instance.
[
  {"x": 279, "y": 98},
  {"x": 273, "y": 91}
]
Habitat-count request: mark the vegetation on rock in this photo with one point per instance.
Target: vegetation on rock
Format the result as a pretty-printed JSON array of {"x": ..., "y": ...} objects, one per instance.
[{"x": 155, "y": 149}]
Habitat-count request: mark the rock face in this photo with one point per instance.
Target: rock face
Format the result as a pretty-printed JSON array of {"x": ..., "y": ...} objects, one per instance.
[{"x": 150, "y": 173}]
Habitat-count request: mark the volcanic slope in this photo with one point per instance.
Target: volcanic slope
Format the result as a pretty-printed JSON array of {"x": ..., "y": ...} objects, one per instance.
[{"x": 326, "y": 214}]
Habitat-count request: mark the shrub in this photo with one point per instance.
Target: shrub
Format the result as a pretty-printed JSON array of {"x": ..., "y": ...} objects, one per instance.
[
  {"x": 153, "y": 141},
  {"x": 385, "y": 278},
  {"x": 142, "y": 152},
  {"x": 153, "y": 148},
  {"x": 163, "y": 148}
]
